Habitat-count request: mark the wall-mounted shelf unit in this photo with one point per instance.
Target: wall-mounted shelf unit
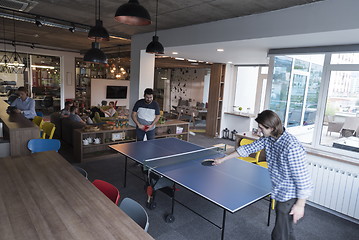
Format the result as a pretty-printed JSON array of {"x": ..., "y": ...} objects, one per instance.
[{"x": 215, "y": 99}]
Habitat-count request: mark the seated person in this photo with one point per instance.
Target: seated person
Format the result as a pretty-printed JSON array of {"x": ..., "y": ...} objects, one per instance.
[
  {"x": 74, "y": 116},
  {"x": 96, "y": 110},
  {"x": 109, "y": 112},
  {"x": 24, "y": 104},
  {"x": 66, "y": 111}
]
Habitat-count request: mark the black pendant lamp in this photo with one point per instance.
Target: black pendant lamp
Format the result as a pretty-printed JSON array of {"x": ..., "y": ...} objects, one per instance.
[
  {"x": 15, "y": 64},
  {"x": 5, "y": 59},
  {"x": 98, "y": 32},
  {"x": 155, "y": 46},
  {"x": 95, "y": 55},
  {"x": 132, "y": 13}
]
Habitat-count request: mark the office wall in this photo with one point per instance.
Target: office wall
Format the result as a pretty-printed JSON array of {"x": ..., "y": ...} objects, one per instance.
[{"x": 98, "y": 91}]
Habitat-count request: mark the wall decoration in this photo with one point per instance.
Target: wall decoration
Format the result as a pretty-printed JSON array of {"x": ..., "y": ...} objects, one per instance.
[{"x": 187, "y": 84}]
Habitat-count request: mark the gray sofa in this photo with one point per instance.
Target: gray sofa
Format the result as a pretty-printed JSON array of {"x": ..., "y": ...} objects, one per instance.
[{"x": 64, "y": 128}]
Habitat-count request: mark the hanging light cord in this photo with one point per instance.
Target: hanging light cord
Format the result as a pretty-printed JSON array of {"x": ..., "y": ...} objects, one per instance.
[
  {"x": 95, "y": 9},
  {"x": 99, "y": 9},
  {"x": 3, "y": 23},
  {"x": 13, "y": 17},
  {"x": 156, "y": 17}
]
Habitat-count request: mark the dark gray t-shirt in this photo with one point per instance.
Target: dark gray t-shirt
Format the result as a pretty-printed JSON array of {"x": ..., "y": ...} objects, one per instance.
[
  {"x": 146, "y": 113},
  {"x": 75, "y": 117}
]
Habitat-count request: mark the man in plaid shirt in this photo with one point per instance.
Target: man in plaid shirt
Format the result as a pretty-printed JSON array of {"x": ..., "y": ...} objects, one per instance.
[{"x": 287, "y": 166}]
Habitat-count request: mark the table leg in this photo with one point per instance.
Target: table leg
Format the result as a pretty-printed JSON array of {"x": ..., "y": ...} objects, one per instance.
[
  {"x": 125, "y": 173},
  {"x": 223, "y": 223},
  {"x": 170, "y": 218}
]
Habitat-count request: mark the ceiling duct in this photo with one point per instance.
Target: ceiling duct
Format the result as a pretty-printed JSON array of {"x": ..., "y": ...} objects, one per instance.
[{"x": 18, "y": 5}]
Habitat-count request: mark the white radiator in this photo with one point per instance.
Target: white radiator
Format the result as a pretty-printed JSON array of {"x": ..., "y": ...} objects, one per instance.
[{"x": 335, "y": 189}]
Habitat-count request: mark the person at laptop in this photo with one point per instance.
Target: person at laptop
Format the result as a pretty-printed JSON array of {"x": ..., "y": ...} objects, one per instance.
[
  {"x": 287, "y": 166},
  {"x": 146, "y": 114},
  {"x": 24, "y": 104}
]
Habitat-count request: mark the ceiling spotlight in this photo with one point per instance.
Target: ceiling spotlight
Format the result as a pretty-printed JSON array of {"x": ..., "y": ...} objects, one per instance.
[
  {"x": 37, "y": 22},
  {"x": 220, "y": 49},
  {"x": 72, "y": 29},
  {"x": 175, "y": 53}
]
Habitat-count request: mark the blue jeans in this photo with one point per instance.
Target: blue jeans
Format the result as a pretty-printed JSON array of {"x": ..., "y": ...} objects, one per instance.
[{"x": 140, "y": 134}]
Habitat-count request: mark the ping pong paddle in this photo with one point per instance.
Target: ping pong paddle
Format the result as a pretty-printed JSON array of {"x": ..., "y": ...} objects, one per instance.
[
  {"x": 146, "y": 127},
  {"x": 207, "y": 162}
]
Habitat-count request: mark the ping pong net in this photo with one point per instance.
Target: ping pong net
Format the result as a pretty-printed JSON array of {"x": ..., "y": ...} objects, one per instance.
[{"x": 199, "y": 155}]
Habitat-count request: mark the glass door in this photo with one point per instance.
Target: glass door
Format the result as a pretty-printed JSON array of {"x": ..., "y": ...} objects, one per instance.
[{"x": 295, "y": 110}]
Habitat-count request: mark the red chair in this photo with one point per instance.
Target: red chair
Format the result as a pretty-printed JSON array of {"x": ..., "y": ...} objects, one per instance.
[{"x": 108, "y": 189}]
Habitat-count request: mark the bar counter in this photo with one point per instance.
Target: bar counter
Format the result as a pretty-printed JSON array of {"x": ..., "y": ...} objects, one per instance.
[{"x": 18, "y": 130}]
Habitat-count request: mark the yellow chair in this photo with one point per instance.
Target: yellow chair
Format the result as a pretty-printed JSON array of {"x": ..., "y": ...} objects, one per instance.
[
  {"x": 264, "y": 164},
  {"x": 273, "y": 203},
  {"x": 255, "y": 159},
  {"x": 38, "y": 121},
  {"x": 48, "y": 129}
]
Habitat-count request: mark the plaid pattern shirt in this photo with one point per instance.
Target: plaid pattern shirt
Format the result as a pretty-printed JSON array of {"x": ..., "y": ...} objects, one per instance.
[{"x": 287, "y": 166}]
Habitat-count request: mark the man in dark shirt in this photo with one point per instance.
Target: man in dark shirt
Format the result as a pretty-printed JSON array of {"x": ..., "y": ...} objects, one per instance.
[
  {"x": 146, "y": 114},
  {"x": 74, "y": 116}
]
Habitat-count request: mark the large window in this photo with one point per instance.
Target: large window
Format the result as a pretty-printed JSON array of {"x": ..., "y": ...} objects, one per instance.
[
  {"x": 341, "y": 118},
  {"x": 280, "y": 85},
  {"x": 331, "y": 122},
  {"x": 295, "y": 91}
]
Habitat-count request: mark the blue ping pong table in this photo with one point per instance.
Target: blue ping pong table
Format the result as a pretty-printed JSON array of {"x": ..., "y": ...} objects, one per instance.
[{"x": 231, "y": 185}]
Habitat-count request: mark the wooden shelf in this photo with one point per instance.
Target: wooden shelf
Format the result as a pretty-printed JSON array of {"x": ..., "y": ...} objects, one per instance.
[
  {"x": 97, "y": 151},
  {"x": 247, "y": 115},
  {"x": 171, "y": 135},
  {"x": 109, "y": 143},
  {"x": 215, "y": 99}
]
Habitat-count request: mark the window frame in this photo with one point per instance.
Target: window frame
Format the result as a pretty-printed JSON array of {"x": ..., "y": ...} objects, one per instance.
[{"x": 315, "y": 146}]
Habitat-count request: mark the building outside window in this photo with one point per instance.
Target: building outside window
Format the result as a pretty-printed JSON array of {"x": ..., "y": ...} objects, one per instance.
[{"x": 329, "y": 122}]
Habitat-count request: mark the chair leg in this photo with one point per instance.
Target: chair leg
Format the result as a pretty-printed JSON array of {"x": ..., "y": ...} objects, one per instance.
[
  {"x": 194, "y": 122},
  {"x": 269, "y": 212}
]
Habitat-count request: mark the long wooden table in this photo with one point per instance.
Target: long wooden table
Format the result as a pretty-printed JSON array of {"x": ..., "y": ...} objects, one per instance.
[{"x": 43, "y": 197}]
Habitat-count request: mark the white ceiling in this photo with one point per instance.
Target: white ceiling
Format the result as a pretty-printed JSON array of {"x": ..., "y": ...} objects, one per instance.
[{"x": 255, "y": 51}]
